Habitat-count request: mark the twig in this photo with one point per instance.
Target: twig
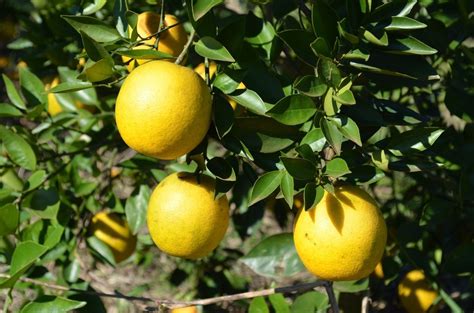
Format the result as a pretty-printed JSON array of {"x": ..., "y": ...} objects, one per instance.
[
  {"x": 332, "y": 297},
  {"x": 305, "y": 9},
  {"x": 178, "y": 304},
  {"x": 183, "y": 53}
]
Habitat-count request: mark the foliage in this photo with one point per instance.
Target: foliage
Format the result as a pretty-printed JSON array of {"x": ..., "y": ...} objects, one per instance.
[{"x": 365, "y": 92}]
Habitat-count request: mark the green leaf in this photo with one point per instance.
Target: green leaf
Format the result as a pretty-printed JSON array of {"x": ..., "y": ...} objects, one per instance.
[
  {"x": 337, "y": 167},
  {"x": 287, "y": 186},
  {"x": 135, "y": 209},
  {"x": 258, "y": 305},
  {"x": 52, "y": 304},
  {"x": 312, "y": 301},
  {"x": 13, "y": 94},
  {"x": 400, "y": 23},
  {"x": 94, "y": 50},
  {"x": 411, "y": 167},
  {"x": 7, "y": 110},
  {"x": 324, "y": 21},
  {"x": 392, "y": 8},
  {"x": 86, "y": 96},
  {"x": 346, "y": 97},
  {"x": 311, "y": 86},
  {"x": 223, "y": 116},
  {"x": 71, "y": 86},
  {"x": 201, "y": 7},
  {"x": 250, "y": 100},
  {"x": 210, "y": 48},
  {"x": 32, "y": 87},
  {"x": 94, "y": 7},
  {"x": 35, "y": 180},
  {"x": 18, "y": 149},
  {"x": 293, "y": 110},
  {"x": 221, "y": 169},
  {"x": 343, "y": 31},
  {"x": 53, "y": 235},
  {"x": 301, "y": 169},
  {"x": 415, "y": 140},
  {"x": 279, "y": 303},
  {"x": 409, "y": 45},
  {"x": 454, "y": 307},
  {"x": 10, "y": 218},
  {"x": 352, "y": 285},
  {"x": 331, "y": 107},
  {"x": 100, "y": 70},
  {"x": 299, "y": 41},
  {"x": 26, "y": 253},
  {"x": 328, "y": 70},
  {"x": 315, "y": 139},
  {"x": 312, "y": 195},
  {"x": 332, "y": 134},
  {"x": 146, "y": 54},
  {"x": 348, "y": 128},
  {"x": 320, "y": 47},
  {"x": 274, "y": 257},
  {"x": 101, "y": 249},
  {"x": 94, "y": 28},
  {"x": 265, "y": 185},
  {"x": 45, "y": 203},
  {"x": 378, "y": 38}
]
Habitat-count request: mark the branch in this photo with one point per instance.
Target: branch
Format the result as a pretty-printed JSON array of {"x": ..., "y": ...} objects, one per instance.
[
  {"x": 178, "y": 304},
  {"x": 332, "y": 297},
  {"x": 183, "y": 53}
]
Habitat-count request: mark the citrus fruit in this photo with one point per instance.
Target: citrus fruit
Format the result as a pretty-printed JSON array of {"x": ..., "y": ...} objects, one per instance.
[
  {"x": 415, "y": 293},
  {"x": 188, "y": 309},
  {"x": 343, "y": 237},
  {"x": 111, "y": 229},
  {"x": 184, "y": 218},
  {"x": 171, "y": 41},
  {"x": 378, "y": 271},
  {"x": 163, "y": 110}
]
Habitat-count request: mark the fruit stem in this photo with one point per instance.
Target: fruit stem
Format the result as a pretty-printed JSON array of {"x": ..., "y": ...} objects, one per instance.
[{"x": 183, "y": 53}]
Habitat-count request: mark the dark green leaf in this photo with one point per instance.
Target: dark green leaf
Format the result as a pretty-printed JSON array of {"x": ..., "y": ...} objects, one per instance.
[
  {"x": 26, "y": 253},
  {"x": 332, "y": 134},
  {"x": 311, "y": 86},
  {"x": 337, "y": 167},
  {"x": 209, "y": 47},
  {"x": 398, "y": 23},
  {"x": 279, "y": 303},
  {"x": 328, "y": 70},
  {"x": 274, "y": 257},
  {"x": 35, "y": 180},
  {"x": 32, "y": 87},
  {"x": 52, "y": 304},
  {"x": 201, "y": 7},
  {"x": 265, "y": 185},
  {"x": 10, "y": 218},
  {"x": 13, "y": 94},
  {"x": 135, "y": 209},
  {"x": 299, "y": 168},
  {"x": 250, "y": 100},
  {"x": 287, "y": 186},
  {"x": 258, "y": 305},
  {"x": 407, "y": 166},
  {"x": 320, "y": 47},
  {"x": 312, "y": 195},
  {"x": 147, "y": 54},
  {"x": 18, "y": 149},
  {"x": 71, "y": 86},
  {"x": 348, "y": 128},
  {"x": 378, "y": 38},
  {"x": 299, "y": 41},
  {"x": 101, "y": 249},
  {"x": 392, "y": 8},
  {"x": 416, "y": 140},
  {"x": 352, "y": 286},
  {"x": 45, "y": 203},
  {"x": 223, "y": 116},
  {"x": 94, "y": 50},
  {"x": 94, "y": 28},
  {"x": 221, "y": 169},
  {"x": 312, "y": 301},
  {"x": 315, "y": 139},
  {"x": 324, "y": 21},
  {"x": 409, "y": 45},
  {"x": 293, "y": 110},
  {"x": 7, "y": 110}
]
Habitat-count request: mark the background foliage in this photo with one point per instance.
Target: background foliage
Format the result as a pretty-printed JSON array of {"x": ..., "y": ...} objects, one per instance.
[{"x": 366, "y": 92}]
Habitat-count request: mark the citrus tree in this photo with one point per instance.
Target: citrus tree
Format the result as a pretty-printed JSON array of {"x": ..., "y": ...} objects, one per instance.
[{"x": 233, "y": 156}]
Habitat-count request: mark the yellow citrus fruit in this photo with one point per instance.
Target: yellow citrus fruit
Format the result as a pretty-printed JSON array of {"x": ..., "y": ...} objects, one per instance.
[
  {"x": 378, "y": 271},
  {"x": 4, "y": 61},
  {"x": 172, "y": 41},
  {"x": 188, "y": 309},
  {"x": 415, "y": 293},
  {"x": 184, "y": 218},
  {"x": 163, "y": 110},
  {"x": 111, "y": 229},
  {"x": 343, "y": 237}
]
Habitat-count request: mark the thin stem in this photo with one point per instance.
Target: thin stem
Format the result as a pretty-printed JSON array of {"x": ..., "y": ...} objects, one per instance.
[
  {"x": 183, "y": 53},
  {"x": 162, "y": 19},
  {"x": 332, "y": 297}
]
